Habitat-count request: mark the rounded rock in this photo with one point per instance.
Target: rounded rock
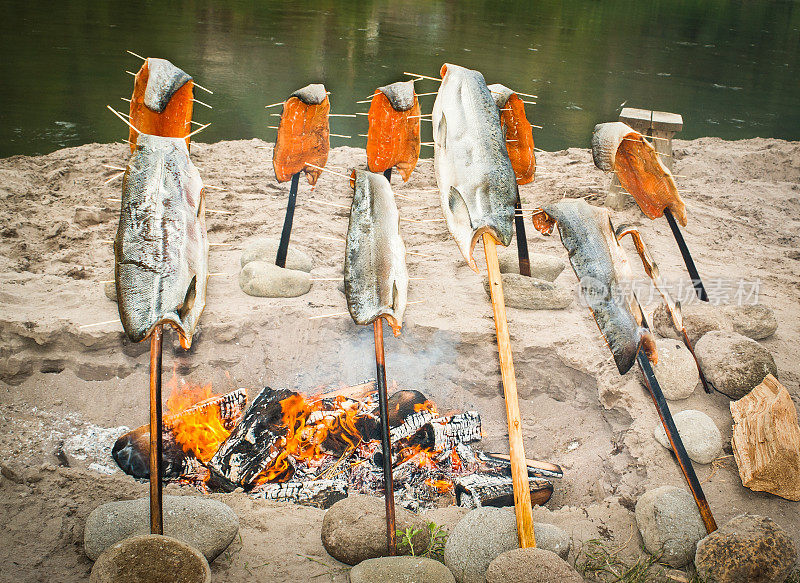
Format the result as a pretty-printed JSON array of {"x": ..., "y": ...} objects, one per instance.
[
  {"x": 670, "y": 524},
  {"x": 527, "y": 293},
  {"x": 698, "y": 319},
  {"x": 755, "y": 321},
  {"x": 354, "y": 529},
  {"x": 531, "y": 565},
  {"x": 676, "y": 369},
  {"x": 401, "y": 570},
  {"x": 543, "y": 266},
  {"x": 266, "y": 280},
  {"x": 733, "y": 363},
  {"x": 203, "y": 523},
  {"x": 486, "y": 533},
  {"x": 265, "y": 249},
  {"x": 748, "y": 549},
  {"x": 151, "y": 558},
  {"x": 700, "y": 435}
]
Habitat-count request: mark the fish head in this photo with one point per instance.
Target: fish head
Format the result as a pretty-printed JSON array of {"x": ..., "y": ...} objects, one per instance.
[{"x": 163, "y": 80}]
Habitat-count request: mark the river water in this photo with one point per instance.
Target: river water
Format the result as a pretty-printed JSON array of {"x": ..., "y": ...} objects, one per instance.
[{"x": 731, "y": 68}]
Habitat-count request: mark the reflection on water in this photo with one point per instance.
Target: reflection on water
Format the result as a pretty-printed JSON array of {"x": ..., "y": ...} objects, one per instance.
[{"x": 730, "y": 67}]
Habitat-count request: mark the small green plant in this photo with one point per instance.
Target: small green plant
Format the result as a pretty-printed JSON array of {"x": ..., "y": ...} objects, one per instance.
[
  {"x": 599, "y": 563},
  {"x": 437, "y": 537}
]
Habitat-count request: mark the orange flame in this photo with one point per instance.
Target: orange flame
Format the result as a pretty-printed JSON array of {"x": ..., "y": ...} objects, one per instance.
[
  {"x": 197, "y": 428},
  {"x": 441, "y": 486}
]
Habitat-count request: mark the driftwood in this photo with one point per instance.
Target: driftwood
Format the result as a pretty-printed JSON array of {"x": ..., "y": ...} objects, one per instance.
[
  {"x": 476, "y": 490},
  {"x": 766, "y": 440}
]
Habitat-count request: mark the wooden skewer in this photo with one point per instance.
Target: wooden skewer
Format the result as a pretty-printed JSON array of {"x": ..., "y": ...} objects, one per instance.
[
  {"x": 386, "y": 440},
  {"x": 201, "y": 103},
  {"x": 130, "y": 73},
  {"x": 220, "y": 244},
  {"x": 273, "y": 127},
  {"x": 274, "y": 104},
  {"x": 339, "y": 239},
  {"x": 340, "y": 136},
  {"x": 326, "y": 170},
  {"x": 104, "y": 281},
  {"x": 113, "y": 178},
  {"x": 527, "y": 95},
  {"x": 198, "y": 130},
  {"x": 421, "y": 220},
  {"x": 325, "y": 202},
  {"x": 420, "y": 254},
  {"x": 535, "y": 126},
  {"x": 197, "y": 123},
  {"x": 125, "y": 99},
  {"x": 196, "y": 84},
  {"x": 366, "y": 100},
  {"x": 421, "y": 115},
  {"x": 361, "y": 113},
  {"x": 328, "y": 315},
  {"x": 119, "y": 115},
  {"x": 429, "y": 93},
  {"x": 422, "y": 76},
  {"x": 528, "y": 102},
  {"x": 219, "y": 274},
  {"x": 215, "y": 212},
  {"x": 214, "y": 187},
  {"x": 99, "y": 323},
  {"x": 519, "y": 469},
  {"x": 135, "y": 55},
  {"x": 113, "y": 167},
  {"x": 341, "y": 115}
]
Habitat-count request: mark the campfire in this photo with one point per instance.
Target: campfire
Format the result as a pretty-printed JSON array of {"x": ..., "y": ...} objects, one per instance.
[{"x": 317, "y": 449}]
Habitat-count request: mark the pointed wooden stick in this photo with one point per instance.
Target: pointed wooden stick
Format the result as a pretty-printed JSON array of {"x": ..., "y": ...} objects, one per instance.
[
  {"x": 329, "y": 171},
  {"x": 196, "y": 84},
  {"x": 676, "y": 442},
  {"x": 286, "y": 232},
  {"x": 113, "y": 178},
  {"x": 699, "y": 288},
  {"x": 519, "y": 469},
  {"x": 423, "y": 76},
  {"x": 386, "y": 440},
  {"x": 135, "y": 55},
  {"x": 341, "y": 115},
  {"x": 156, "y": 421},
  {"x": 203, "y": 104},
  {"x": 325, "y": 202},
  {"x": 99, "y": 323},
  {"x": 119, "y": 115},
  {"x": 274, "y": 104},
  {"x": 522, "y": 240},
  {"x": 198, "y": 130},
  {"x": 328, "y": 315}
]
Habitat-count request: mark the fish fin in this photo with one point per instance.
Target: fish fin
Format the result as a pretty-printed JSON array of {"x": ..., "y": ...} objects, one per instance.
[
  {"x": 441, "y": 131},
  {"x": 460, "y": 224},
  {"x": 188, "y": 300}
]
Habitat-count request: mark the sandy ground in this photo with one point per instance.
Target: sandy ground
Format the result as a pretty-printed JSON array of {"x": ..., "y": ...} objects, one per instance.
[{"x": 60, "y": 383}]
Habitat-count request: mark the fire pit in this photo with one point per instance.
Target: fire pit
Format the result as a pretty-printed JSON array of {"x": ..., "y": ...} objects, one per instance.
[{"x": 317, "y": 449}]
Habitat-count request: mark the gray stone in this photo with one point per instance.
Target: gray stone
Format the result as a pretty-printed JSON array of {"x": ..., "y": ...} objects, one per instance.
[
  {"x": 527, "y": 293},
  {"x": 670, "y": 524},
  {"x": 264, "y": 249},
  {"x": 485, "y": 533},
  {"x": 446, "y": 517},
  {"x": 266, "y": 280},
  {"x": 354, "y": 529},
  {"x": 699, "y": 433},
  {"x": 733, "y": 363},
  {"x": 755, "y": 321},
  {"x": 748, "y": 549},
  {"x": 543, "y": 266},
  {"x": 401, "y": 570},
  {"x": 151, "y": 558},
  {"x": 531, "y": 565},
  {"x": 676, "y": 369},
  {"x": 206, "y": 524}
]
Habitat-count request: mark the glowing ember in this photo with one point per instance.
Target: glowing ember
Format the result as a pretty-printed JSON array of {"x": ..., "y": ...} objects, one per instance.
[{"x": 441, "y": 486}]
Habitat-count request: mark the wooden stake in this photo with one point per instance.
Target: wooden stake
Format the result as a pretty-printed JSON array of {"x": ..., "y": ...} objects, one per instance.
[
  {"x": 675, "y": 441},
  {"x": 522, "y": 240},
  {"x": 519, "y": 468},
  {"x": 386, "y": 443},
  {"x": 699, "y": 289},
  {"x": 283, "y": 246},
  {"x": 156, "y": 516}
]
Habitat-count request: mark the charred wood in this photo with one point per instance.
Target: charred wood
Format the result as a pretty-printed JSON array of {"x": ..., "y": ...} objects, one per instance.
[{"x": 476, "y": 490}]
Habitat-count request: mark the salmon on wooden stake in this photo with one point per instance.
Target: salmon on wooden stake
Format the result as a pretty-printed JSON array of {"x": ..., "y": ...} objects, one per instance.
[
  {"x": 616, "y": 147},
  {"x": 161, "y": 104},
  {"x": 394, "y": 125},
  {"x": 473, "y": 171},
  {"x": 161, "y": 248},
  {"x": 604, "y": 274},
  {"x": 375, "y": 275},
  {"x": 519, "y": 132},
  {"x": 303, "y": 134}
]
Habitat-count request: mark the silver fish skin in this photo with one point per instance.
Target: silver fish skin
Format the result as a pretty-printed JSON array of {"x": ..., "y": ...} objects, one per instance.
[
  {"x": 313, "y": 94},
  {"x": 161, "y": 248},
  {"x": 473, "y": 171},
  {"x": 163, "y": 81},
  {"x": 500, "y": 94},
  {"x": 606, "y": 139},
  {"x": 375, "y": 274},
  {"x": 400, "y": 94},
  {"x": 605, "y": 277}
]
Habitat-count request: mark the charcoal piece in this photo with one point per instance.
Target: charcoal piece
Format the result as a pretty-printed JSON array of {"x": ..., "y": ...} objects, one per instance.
[
  {"x": 252, "y": 445},
  {"x": 403, "y": 404},
  {"x": 319, "y": 493},
  {"x": 476, "y": 490},
  {"x": 411, "y": 425},
  {"x": 536, "y": 469}
]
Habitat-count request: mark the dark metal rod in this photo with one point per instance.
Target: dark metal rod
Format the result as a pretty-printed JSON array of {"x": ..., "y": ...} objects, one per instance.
[
  {"x": 388, "y": 174},
  {"x": 283, "y": 247},
  {"x": 699, "y": 289},
  {"x": 522, "y": 240},
  {"x": 156, "y": 515},
  {"x": 675, "y": 441},
  {"x": 386, "y": 444}
]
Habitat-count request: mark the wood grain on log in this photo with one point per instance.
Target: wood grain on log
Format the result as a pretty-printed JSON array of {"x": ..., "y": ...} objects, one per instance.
[{"x": 766, "y": 440}]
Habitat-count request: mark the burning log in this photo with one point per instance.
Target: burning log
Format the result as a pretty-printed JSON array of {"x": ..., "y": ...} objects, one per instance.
[
  {"x": 319, "y": 493},
  {"x": 536, "y": 469},
  {"x": 476, "y": 490},
  {"x": 252, "y": 445},
  {"x": 131, "y": 450}
]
